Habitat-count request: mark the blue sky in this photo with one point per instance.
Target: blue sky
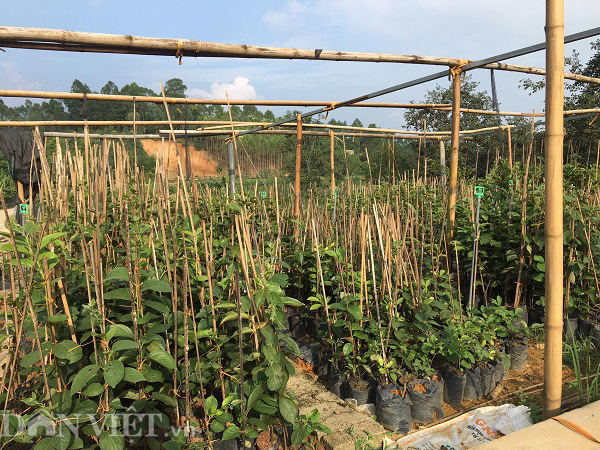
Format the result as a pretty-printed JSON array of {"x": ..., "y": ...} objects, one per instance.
[{"x": 467, "y": 28}]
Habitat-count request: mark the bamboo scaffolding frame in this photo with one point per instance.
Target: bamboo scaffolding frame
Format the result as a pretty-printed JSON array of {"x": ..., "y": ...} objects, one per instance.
[{"x": 64, "y": 40}]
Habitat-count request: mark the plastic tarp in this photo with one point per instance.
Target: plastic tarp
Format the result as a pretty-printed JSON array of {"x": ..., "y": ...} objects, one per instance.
[
  {"x": 468, "y": 430},
  {"x": 18, "y": 147}
]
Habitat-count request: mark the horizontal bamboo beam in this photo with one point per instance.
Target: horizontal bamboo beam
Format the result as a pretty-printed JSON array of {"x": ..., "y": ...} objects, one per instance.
[
  {"x": 203, "y": 101},
  {"x": 51, "y": 39},
  {"x": 299, "y": 103},
  {"x": 77, "y": 135},
  {"x": 76, "y": 41},
  {"x": 217, "y": 123},
  {"x": 319, "y": 125},
  {"x": 542, "y": 72},
  {"x": 192, "y": 133},
  {"x": 223, "y": 102}
]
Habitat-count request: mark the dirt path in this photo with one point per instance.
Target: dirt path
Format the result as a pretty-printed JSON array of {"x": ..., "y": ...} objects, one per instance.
[{"x": 347, "y": 423}]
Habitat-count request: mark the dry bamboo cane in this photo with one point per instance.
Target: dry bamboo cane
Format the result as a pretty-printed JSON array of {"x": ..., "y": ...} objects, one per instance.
[
  {"x": 186, "y": 342},
  {"x": 519, "y": 287},
  {"x": 28, "y": 301},
  {"x": 239, "y": 323},
  {"x": 320, "y": 270},
  {"x": 19, "y": 323}
]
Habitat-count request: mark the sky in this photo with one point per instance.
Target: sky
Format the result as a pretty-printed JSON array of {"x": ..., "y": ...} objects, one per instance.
[{"x": 470, "y": 29}]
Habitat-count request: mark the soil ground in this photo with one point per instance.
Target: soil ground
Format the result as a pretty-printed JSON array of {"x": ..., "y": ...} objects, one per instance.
[{"x": 202, "y": 163}]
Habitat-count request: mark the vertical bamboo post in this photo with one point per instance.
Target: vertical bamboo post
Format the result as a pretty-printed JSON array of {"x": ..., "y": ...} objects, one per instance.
[
  {"x": 134, "y": 136},
  {"x": 453, "y": 157},
  {"x": 510, "y": 156},
  {"x": 298, "y": 163},
  {"x": 188, "y": 163},
  {"x": 332, "y": 160},
  {"x": 21, "y": 192},
  {"x": 231, "y": 166},
  {"x": 554, "y": 206},
  {"x": 442, "y": 163}
]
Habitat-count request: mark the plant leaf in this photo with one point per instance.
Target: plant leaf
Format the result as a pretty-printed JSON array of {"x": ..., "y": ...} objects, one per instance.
[
  {"x": 288, "y": 409},
  {"x": 133, "y": 375},
  {"x": 111, "y": 441},
  {"x": 114, "y": 372},
  {"x": 119, "y": 330},
  {"x": 83, "y": 376},
  {"x": 156, "y": 285},
  {"x": 163, "y": 358}
]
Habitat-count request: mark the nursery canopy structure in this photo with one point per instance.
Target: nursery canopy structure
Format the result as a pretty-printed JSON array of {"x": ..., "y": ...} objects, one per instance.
[{"x": 61, "y": 40}]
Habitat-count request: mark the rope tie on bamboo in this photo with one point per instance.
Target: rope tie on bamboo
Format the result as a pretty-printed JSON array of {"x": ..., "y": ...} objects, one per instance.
[
  {"x": 179, "y": 53},
  {"x": 329, "y": 108},
  {"x": 456, "y": 70}
]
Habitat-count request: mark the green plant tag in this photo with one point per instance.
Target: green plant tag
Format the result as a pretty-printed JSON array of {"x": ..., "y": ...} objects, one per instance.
[
  {"x": 479, "y": 190},
  {"x": 263, "y": 194},
  {"x": 335, "y": 192},
  {"x": 23, "y": 208}
]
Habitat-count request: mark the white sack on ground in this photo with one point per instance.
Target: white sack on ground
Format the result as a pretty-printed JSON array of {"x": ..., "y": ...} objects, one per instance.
[{"x": 467, "y": 431}]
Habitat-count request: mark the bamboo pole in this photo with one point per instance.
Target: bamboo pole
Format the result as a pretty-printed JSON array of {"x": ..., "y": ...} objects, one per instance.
[
  {"x": 510, "y": 155},
  {"x": 63, "y": 40},
  {"x": 17, "y": 93},
  {"x": 442, "y": 163},
  {"x": 554, "y": 206},
  {"x": 202, "y": 101},
  {"x": 228, "y": 133},
  {"x": 222, "y": 124},
  {"x": 231, "y": 166},
  {"x": 452, "y": 185},
  {"x": 332, "y": 161},
  {"x": 298, "y": 165}
]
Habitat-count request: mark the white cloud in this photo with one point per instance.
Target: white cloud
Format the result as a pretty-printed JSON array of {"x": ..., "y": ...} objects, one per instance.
[
  {"x": 286, "y": 18},
  {"x": 12, "y": 78},
  {"x": 240, "y": 89}
]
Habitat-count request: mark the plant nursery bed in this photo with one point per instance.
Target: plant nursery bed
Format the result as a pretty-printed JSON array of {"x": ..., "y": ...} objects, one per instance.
[{"x": 350, "y": 424}]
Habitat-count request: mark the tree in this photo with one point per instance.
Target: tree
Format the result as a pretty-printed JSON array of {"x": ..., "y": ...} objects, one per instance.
[
  {"x": 476, "y": 150},
  {"x": 584, "y": 131},
  {"x": 175, "y": 88}
]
